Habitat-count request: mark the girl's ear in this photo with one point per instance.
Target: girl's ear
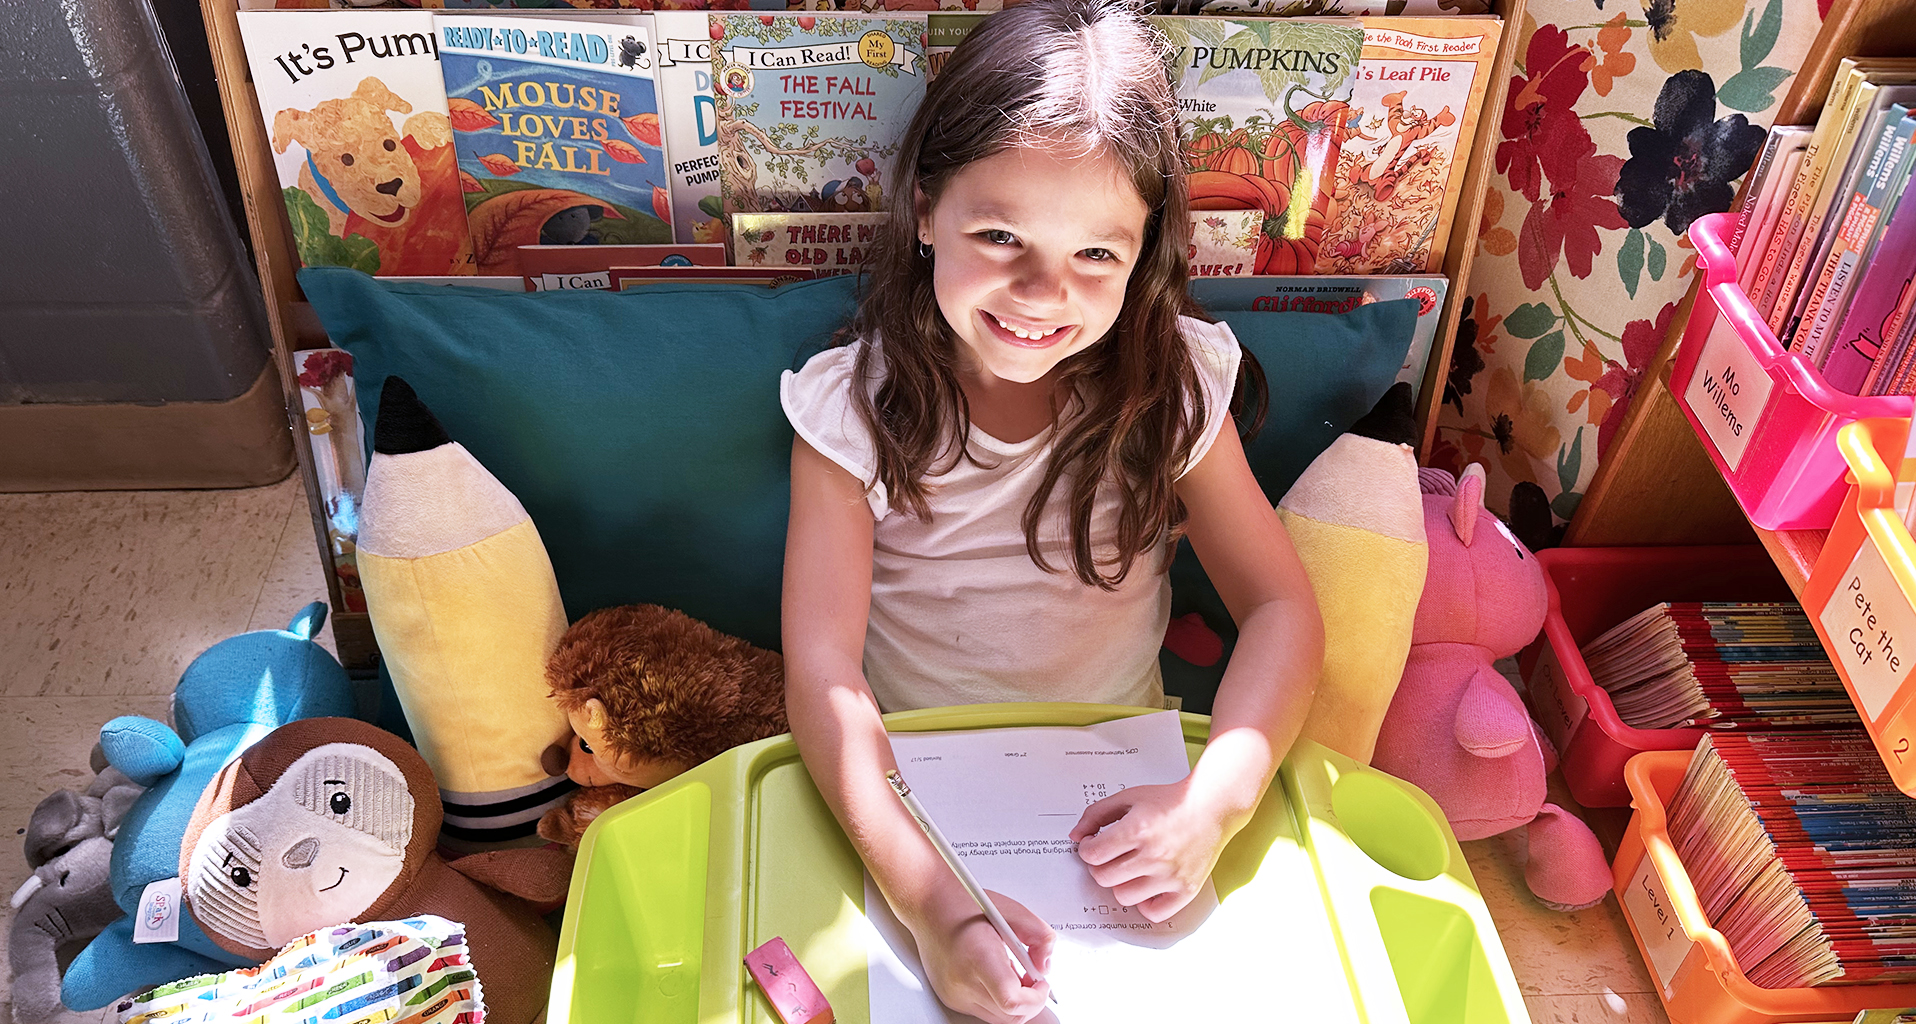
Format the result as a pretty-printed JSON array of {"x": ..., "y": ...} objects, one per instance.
[{"x": 921, "y": 207}]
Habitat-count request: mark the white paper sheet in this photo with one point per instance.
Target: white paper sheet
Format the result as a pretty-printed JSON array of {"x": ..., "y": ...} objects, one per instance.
[{"x": 1006, "y": 799}]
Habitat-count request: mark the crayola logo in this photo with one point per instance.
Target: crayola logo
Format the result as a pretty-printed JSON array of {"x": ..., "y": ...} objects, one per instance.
[{"x": 159, "y": 911}]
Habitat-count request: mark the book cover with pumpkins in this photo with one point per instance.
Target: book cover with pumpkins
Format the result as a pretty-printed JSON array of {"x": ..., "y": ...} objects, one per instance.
[
  {"x": 684, "y": 75},
  {"x": 557, "y": 127},
  {"x": 1400, "y": 172},
  {"x": 811, "y": 108},
  {"x": 355, "y": 110},
  {"x": 1264, "y": 104}
]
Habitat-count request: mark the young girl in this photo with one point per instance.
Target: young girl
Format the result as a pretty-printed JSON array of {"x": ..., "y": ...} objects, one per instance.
[{"x": 987, "y": 481}]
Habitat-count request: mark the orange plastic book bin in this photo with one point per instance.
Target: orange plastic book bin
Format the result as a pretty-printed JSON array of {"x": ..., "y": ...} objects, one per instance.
[
  {"x": 1696, "y": 977},
  {"x": 1859, "y": 594},
  {"x": 1591, "y": 590}
]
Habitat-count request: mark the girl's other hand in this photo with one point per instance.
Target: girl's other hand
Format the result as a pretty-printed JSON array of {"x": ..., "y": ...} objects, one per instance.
[
  {"x": 968, "y": 965},
  {"x": 1152, "y": 846}
]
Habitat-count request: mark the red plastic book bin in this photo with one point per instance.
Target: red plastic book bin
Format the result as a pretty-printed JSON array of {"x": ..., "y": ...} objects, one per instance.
[
  {"x": 1766, "y": 417},
  {"x": 1591, "y": 590}
]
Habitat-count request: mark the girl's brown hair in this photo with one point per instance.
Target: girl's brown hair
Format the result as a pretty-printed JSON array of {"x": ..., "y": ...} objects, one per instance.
[{"x": 1089, "y": 75}]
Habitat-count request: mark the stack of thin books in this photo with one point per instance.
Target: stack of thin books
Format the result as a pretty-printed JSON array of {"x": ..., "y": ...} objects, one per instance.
[
  {"x": 1723, "y": 665},
  {"x": 1803, "y": 855}
]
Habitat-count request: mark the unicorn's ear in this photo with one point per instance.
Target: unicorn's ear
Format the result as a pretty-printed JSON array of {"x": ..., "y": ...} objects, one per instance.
[{"x": 1470, "y": 498}]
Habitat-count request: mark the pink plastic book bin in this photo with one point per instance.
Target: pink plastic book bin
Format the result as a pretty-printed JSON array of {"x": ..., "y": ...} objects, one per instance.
[
  {"x": 1591, "y": 590},
  {"x": 1766, "y": 417}
]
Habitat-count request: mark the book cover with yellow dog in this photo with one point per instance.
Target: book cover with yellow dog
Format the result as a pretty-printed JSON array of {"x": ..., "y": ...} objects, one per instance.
[{"x": 355, "y": 106}]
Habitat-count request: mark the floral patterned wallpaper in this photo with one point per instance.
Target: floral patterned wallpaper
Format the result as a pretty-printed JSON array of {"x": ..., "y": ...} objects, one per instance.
[{"x": 1621, "y": 126}]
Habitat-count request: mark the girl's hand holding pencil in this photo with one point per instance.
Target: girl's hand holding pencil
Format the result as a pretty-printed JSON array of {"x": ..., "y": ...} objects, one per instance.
[
  {"x": 967, "y": 963},
  {"x": 978, "y": 928}
]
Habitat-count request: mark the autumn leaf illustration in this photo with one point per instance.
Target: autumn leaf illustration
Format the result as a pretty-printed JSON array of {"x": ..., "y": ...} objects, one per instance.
[
  {"x": 623, "y": 152},
  {"x": 513, "y": 219},
  {"x": 468, "y": 183},
  {"x": 467, "y": 116},
  {"x": 662, "y": 204},
  {"x": 499, "y": 164},
  {"x": 644, "y": 127}
]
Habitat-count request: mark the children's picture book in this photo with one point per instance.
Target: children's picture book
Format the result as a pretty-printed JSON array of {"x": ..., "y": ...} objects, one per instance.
[
  {"x": 628, "y": 278},
  {"x": 1861, "y": 132},
  {"x": 1855, "y": 91},
  {"x": 879, "y": 6},
  {"x": 811, "y": 108},
  {"x": 1763, "y": 191},
  {"x": 557, "y": 6},
  {"x": 1319, "y": 294},
  {"x": 1224, "y": 242},
  {"x": 686, "y": 108},
  {"x": 1400, "y": 172},
  {"x": 356, "y": 113},
  {"x": 944, "y": 31},
  {"x": 1264, "y": 105},
  {"x": 1335, "y": 8},
  {"x": 828, "y": 243},
  {"x": 1872, "y": 321},
  {"x": 557, "y": 127},
  {"x": 496, "y": 284},
  {"x": 331, "y": 406},
  {"x": 1855, "y": 230},
  {"x": 1759, "y": 184},
  {"x": 551, "y": 268}
]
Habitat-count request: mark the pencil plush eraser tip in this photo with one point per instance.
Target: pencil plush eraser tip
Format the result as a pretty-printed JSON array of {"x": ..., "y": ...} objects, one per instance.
[{"x": 793, "y": 994}]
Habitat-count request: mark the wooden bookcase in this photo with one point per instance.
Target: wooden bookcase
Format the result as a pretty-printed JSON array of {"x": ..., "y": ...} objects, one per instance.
[
  {"x": 295, "y": 328},
  {"x": 1656, "y": 485}
]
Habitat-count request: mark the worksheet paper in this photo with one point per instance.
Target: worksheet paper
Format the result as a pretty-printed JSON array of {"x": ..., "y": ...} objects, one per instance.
[{"x": 1007, "y": 799}]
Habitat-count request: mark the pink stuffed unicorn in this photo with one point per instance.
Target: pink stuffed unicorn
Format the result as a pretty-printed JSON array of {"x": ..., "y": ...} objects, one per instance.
[{"x": 1456, "y": 728}]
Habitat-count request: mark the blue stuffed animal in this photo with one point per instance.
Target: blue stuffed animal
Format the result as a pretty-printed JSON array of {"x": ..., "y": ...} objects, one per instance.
[{"x": 239, "y": 690}]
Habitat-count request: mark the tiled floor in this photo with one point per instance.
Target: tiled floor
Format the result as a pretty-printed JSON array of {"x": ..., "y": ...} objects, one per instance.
[{"x": 105, "y": 597}]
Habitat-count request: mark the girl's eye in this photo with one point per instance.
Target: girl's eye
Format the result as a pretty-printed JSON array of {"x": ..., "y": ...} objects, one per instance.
[
  {"x": 997, "y": 237},
  {"x": 1101, "y": 255}
]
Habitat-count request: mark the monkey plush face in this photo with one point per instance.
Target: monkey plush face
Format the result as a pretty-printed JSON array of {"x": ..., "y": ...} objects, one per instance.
[
  {"x": 321, "y": 822},
  {"x": 317, "y": 848}
]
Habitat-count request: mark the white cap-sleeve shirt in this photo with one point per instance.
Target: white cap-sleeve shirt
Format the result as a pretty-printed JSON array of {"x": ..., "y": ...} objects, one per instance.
[{"x": 960, "y": 614}]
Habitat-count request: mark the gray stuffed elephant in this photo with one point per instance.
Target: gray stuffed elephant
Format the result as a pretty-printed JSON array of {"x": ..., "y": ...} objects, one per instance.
[{"x": 69, "y": 897}]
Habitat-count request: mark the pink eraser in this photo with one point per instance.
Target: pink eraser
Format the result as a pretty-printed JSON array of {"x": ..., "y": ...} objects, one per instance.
[{"x": 794, "y": 996}]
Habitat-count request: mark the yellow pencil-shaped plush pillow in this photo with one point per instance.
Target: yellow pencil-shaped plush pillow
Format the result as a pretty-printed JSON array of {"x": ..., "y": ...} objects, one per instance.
[
  {"x": 466, "y": 610},
  {"x": 1357, "y": 520}
]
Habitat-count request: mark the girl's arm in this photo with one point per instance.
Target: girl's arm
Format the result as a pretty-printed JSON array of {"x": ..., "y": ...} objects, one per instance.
[
  {"x": 835, "y": 721},
  {"x": 1155, "y": 845}
]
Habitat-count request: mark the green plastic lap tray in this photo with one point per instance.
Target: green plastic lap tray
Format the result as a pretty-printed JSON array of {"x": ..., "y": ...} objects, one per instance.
[{"x": 672, "y": 888}]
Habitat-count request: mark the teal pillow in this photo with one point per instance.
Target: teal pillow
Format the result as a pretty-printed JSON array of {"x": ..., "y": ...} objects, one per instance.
[{"x": 642, "y": 429}]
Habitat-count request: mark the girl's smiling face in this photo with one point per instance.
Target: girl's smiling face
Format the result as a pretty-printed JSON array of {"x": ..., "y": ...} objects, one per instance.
[{"x": 1032, "y": 253}]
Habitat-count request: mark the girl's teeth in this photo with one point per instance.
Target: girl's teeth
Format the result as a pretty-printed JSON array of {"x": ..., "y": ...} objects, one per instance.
[{"x": 1026, "y": 335}]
